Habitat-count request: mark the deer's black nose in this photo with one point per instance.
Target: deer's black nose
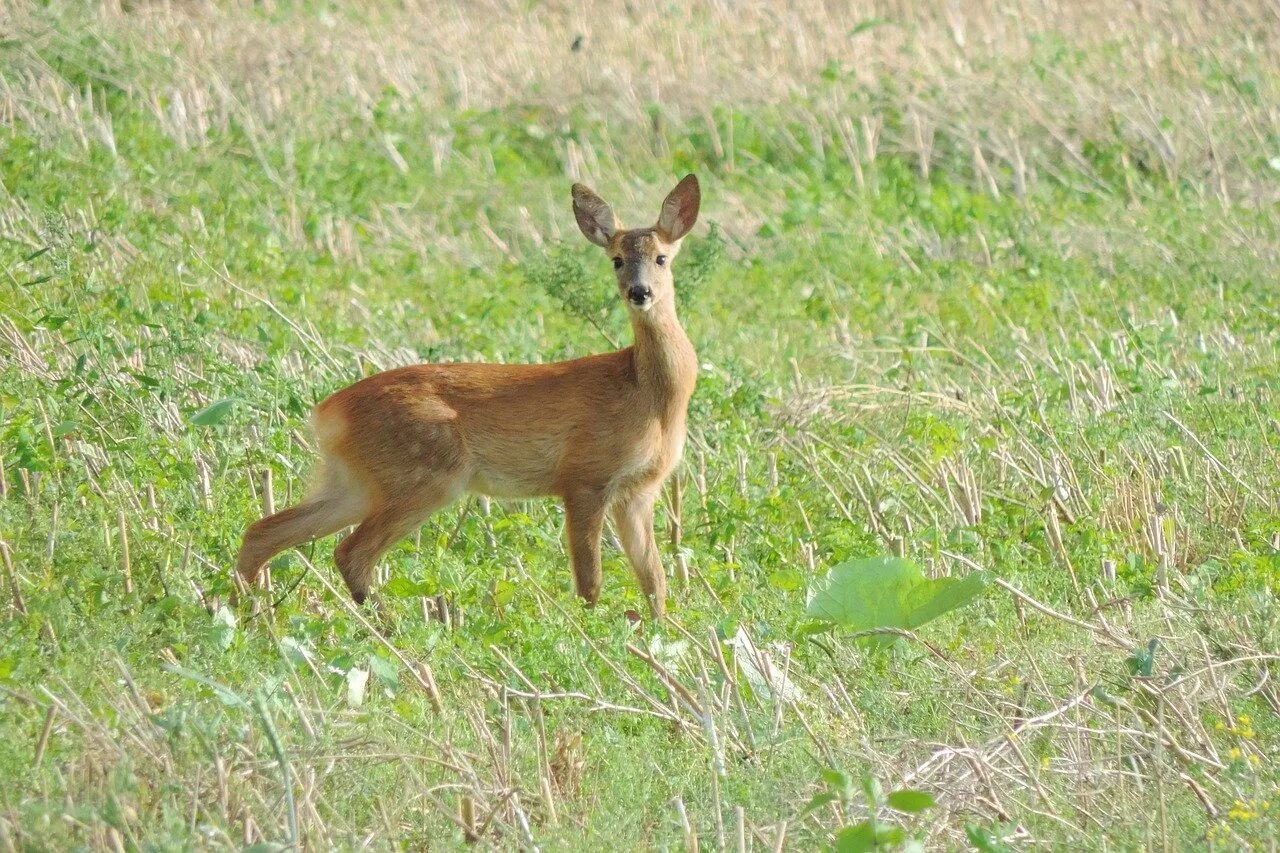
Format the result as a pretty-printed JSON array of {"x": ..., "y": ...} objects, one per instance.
[{"x": 639, "y": 294}]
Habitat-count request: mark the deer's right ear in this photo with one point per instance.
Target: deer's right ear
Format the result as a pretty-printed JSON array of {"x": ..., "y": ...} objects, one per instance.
[{"x": 595, "y": 218}]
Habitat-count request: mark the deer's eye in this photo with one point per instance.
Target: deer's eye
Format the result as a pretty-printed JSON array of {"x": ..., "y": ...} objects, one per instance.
[
  {"x": 617, "y": 263},
  {"x": 661, "y": 260}
]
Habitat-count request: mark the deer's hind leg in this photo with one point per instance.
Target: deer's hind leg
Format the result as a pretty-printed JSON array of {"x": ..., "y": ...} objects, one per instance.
[
  {"x": 413, "y": 465},
  {"x": 357, "y": 555},
  {"x": 335, "y": 504}
]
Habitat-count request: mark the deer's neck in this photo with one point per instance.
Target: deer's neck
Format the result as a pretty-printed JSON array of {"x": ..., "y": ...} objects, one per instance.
[{"x": 666, "y": 365}]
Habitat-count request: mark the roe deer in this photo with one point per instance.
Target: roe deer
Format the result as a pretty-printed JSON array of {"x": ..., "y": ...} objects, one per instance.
[{"x": 602, "y": 432}]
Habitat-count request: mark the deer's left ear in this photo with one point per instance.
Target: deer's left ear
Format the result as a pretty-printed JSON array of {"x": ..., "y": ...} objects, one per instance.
[{"x": 680, "y": 210}]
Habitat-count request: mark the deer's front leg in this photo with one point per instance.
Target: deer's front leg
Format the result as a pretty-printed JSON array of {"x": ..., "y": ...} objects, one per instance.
[
  {"x": 633, "y": 518},
  {"x": 584, "y": 519}
]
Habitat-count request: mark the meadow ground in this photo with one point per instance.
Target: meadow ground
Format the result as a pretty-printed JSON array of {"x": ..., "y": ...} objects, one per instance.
[{"x": 989, "y": 285}]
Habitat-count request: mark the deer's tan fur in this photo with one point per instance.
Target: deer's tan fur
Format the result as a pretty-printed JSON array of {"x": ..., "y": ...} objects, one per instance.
[{"x": 601, "y": 433}]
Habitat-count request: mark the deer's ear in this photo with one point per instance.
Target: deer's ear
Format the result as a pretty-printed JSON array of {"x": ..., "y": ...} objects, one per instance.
[
  {"x": 595, "y": 218},
  {"x": 680, "y": 210}
]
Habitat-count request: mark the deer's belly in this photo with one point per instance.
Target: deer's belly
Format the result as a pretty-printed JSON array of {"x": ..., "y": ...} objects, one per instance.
[
  {"x": 519, "y": 468},
  {"x": 498, "y": 486}
]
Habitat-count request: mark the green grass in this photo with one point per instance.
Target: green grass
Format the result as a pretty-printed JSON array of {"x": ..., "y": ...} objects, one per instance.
[{"x": 1040, "y": 386}]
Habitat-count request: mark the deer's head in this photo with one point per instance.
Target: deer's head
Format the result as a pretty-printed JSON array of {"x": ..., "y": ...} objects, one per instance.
[{"x": 641, "y": 256}]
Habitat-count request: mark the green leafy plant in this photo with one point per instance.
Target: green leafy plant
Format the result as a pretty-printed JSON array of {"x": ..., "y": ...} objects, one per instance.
[
  {"x": 871, "y": 833},
  {"x": 886, "y": 592},
  {"x": 699, "y": 260},
  {"x": 567, "y": 275},
  {"x": 1142, "y": 663},
  {"x": 988, "y": 840},
  {"x": 214, "y": 413}
]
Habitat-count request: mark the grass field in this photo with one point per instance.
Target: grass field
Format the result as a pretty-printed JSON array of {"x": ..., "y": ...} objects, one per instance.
[{"x": 991, "y": 286}]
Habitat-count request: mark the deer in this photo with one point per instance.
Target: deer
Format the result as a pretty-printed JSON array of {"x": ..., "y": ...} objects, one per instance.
[{"x": 602, "y": 433}]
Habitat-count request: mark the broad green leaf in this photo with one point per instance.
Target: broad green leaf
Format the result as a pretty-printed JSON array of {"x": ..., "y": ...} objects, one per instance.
[
  {"x": 869, "y": 835},
  {"x": 856, "y": 838},
  {"x": 405, "y": 588},
  {"x": 887, "y": 592},
  {"x": 503, "y": 593},
  {"x": 838, "y": 782},
  {"x": 786, "y": 580},
  {"x": 819, "y": 800},
  {"x": 386, "y": 671},
  {"x": 214, "y": 413},
  {"x": 909, "y": 801},
  {"x": 891, "y": 837}
]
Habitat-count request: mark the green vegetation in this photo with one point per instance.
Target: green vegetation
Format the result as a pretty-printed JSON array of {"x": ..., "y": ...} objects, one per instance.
[{"x": 993, "y": 294}]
